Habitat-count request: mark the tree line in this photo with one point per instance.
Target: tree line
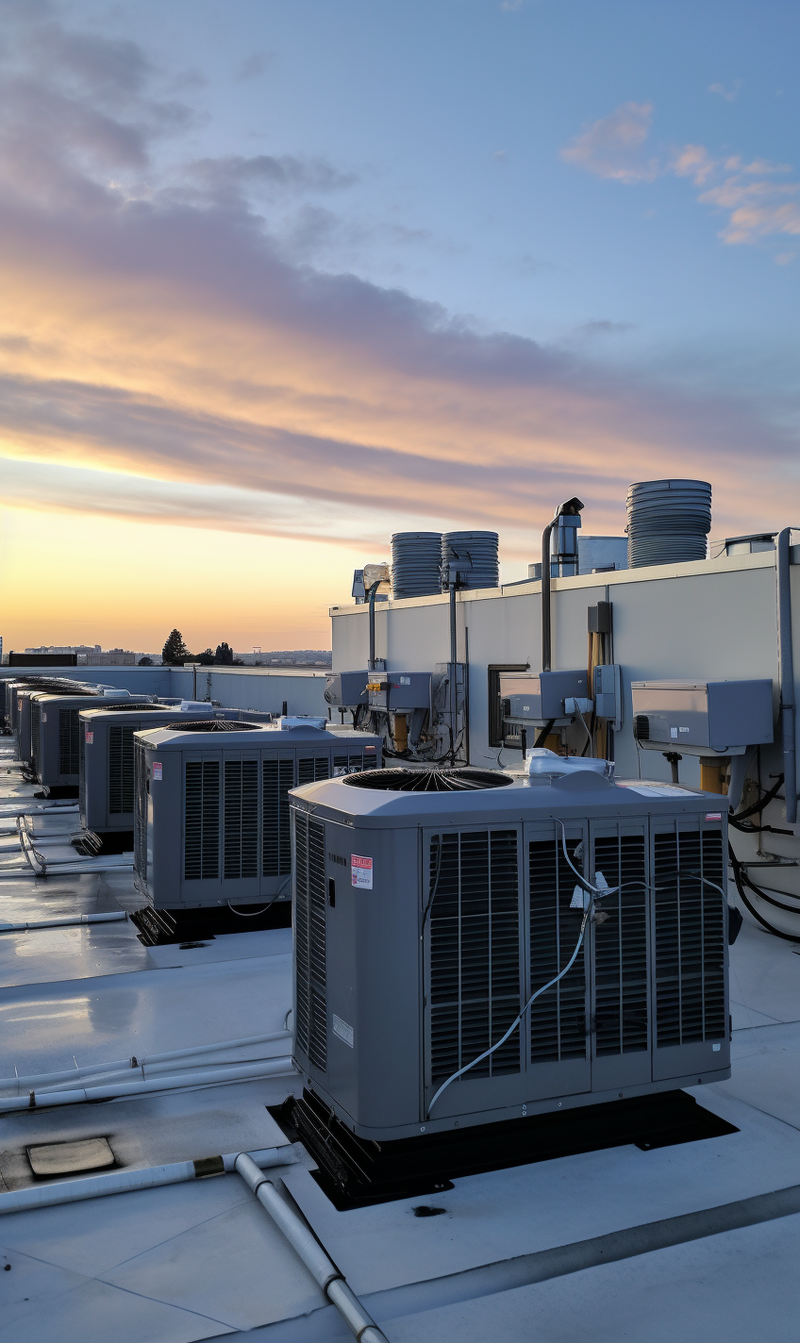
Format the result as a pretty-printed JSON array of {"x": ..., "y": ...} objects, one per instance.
[{"x": 175, "y": 653}]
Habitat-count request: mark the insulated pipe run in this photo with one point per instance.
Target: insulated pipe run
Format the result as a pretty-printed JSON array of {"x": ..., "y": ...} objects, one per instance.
[
  {"x": 236, "y": 1072},
  {"x": 786, "y": 672},
  {"x": 68, "y": 921},
  {"x": 569, "y": 509},
  {"x": 125, "y": 1181},
  {"x": 146, "y": 1060},
  {"x": 303, "y": 1240},
  {"x": 372, "y": 592}
]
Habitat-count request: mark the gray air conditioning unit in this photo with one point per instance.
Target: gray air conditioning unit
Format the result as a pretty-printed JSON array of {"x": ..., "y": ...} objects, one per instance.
[
  {"x": 539, "y": 697},
  {"x": 424, "y": 921},
  {"x": 212, "y": 807},
  {"x": 346, "y": 690},
  {"x": 22, "y": 713},
  {"x": 708, "y": 718},
  {"x": 105, "y": 741},
  {"x": 55, "y": 733}
]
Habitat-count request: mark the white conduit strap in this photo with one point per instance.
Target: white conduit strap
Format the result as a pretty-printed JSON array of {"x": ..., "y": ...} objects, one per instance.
[
  {"x": 125, "y": 1181},
  {"x": 301, "y": 1237},
  {"x": 237, "y": 1072},
  {"x": 68, "y": 921}
]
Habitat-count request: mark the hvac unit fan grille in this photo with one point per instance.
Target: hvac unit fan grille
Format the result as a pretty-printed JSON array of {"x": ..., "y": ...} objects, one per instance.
[
  {"x": 474, "y": 951},
  {"x": 68, "y": 749},
  {"x": 277, "y": 779},
  {"x": 140, "y": 817},
  {"x": 558, "y": 1018},
  {"x": 120, "y": 770},
  {"x": 690, "y": 937},
  {"x": 201, "y": 821},
  {"x": 309, "y": 933},
  {"x": 621, "y": 997},
  {"x": 240, "y": 811}
]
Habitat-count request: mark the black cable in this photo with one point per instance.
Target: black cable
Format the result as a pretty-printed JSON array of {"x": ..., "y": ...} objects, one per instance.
[
  {"x": 737, "y": 876},
  {"x": 762, "y": 801},
  {"x": 757, "y": 829}
]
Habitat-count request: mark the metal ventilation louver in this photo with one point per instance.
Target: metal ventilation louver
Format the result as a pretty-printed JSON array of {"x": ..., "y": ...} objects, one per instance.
[{"x": 311, "y": 1026}]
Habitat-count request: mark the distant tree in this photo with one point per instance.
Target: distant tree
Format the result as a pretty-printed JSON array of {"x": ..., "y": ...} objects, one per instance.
[
  {"x": 175, "y": 650},
  {"x": 224, "y": 655},
  {"x": 145, "y": 662},
  {"x": 206, "y": 658}
]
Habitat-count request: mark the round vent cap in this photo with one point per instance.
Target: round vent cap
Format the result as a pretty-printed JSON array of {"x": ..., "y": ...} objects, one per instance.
[{"x": 428, "y": 780}]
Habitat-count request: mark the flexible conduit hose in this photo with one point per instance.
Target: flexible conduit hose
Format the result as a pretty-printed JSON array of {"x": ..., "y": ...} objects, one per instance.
[{"x": 741, "y": 879}]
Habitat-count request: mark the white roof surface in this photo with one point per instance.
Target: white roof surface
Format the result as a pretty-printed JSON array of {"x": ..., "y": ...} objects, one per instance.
[{"x": 558, "y": 1250}]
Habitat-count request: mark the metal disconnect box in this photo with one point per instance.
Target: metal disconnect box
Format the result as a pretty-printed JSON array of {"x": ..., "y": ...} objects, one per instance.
[
  {"x": 346, "y": 690},
  {"x": 399, "y": 691},
  {"x": 425, "y": 920},
  {"x": 538, "y": 697},
  {"x": 702, "y": 717}
]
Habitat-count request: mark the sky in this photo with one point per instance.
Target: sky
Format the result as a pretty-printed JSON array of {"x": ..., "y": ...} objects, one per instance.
[{"x": 283, "y": 277}]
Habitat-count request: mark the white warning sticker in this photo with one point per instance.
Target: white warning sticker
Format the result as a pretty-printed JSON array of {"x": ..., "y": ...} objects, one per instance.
[
  {"x": 89, "y": 737},
  {"x": 343, "y": 1031},
  {"x": 361, "y": 871},
  {"x": 158, "y": 769}
]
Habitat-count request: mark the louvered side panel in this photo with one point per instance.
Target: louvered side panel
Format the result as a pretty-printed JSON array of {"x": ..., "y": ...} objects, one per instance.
[
  {"x": 82, "y": 777},
  {"x": 128, "y": 770},
  {"x": 310, "y": 769},
  {"x": 620, "y": 961},
  {"x": 36, "y": 735},
  {"x": 276, "y": 853},
  {"x": 240, "y": 813},
  {"x": 140, "y": 817},
  {"x": 201, "y": 821},
  {"x": 115, "y": 770},
  {"x": 558, "y": 1018},
  {"x": 351, "y": 764},
  {"x": 68, "y": 753},
  {"x": 310, "y": 941},
  {"x": 690, "y": 938},
  {"x": 475, "y": 991}
]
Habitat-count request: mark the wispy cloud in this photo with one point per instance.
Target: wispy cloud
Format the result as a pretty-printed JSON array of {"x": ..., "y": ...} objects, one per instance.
[
  {"x": 730, "y": 95},
  {"x": 170, "y": 330},
  {"x": 256, "y": 65},
  {"x": 758, "y": 206},
  {"x": 613, "y": 146}
]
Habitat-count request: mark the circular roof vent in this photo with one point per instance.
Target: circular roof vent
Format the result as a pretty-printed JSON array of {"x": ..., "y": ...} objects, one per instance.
[
  {"x": 428, "y": 780},
  {"x": 214, "y": 725}
]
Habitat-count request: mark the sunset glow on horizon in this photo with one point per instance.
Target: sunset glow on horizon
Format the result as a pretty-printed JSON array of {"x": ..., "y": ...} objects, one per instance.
[{"x": 233, "y": 352}]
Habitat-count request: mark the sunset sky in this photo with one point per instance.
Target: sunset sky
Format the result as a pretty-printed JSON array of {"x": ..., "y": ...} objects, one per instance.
[{"x": 281, "y": 277}]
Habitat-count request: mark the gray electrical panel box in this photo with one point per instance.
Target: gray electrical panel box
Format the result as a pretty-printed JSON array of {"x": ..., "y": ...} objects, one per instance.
[
  {"x": 538, "y": 697},
  {"x": 399, "y": 691},
  {"x": 702, "y": 717},
  {"x": 211, "y": 822},
  {"x": 425, "y": 919},
  {"x": 346, "y": 690},
  {"x": 608, "y": 694}
]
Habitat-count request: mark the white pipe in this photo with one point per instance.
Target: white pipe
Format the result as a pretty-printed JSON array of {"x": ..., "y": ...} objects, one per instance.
[
  {"x": 68, "y": 921},
  {"x": 238, "y": 1072},
  {"x": 123, "y": 1181},
  {"x": 303, "y": 1240},
  {"x": 153, "y": 1070},
  {"x": 119, "y": 1065}
]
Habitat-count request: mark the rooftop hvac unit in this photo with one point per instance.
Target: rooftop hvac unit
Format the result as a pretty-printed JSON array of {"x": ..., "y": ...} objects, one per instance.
[
  {"x": 540, "y": 697},
  {"x": 106, "y": 749},
  {"x": 212, "y": 807},
  {"x": 425, "y": 921},
  {"x": 21, "y": 708},
  {"x": 55, "y": 733}
]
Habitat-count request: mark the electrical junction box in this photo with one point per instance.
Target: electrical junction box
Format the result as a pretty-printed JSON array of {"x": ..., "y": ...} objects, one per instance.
[
  {"x": 429, "y": 905},
  {"x": 608, "y": 694},
  {"x": 538, "y": 697},
  {"x": 346, "y": 690},
  {"x": 399, "y": 692},
  {"x": 702, "y": 717}
]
